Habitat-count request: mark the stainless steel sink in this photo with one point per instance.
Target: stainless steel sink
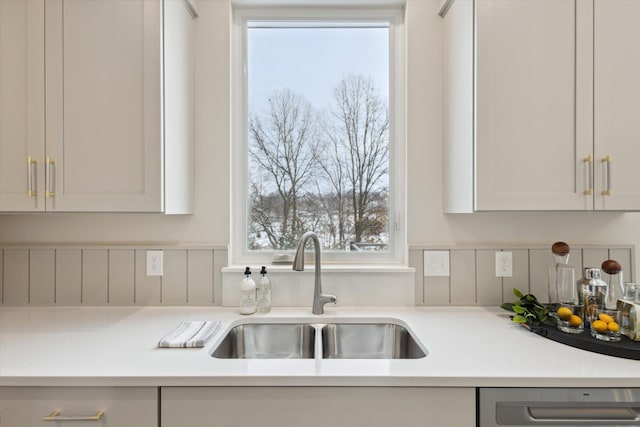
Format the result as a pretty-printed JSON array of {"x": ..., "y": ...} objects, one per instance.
[
  {"x": 268, "y": 341},
  {"x": 339, "y": 340},
  {"x": 369, "y": 341}
]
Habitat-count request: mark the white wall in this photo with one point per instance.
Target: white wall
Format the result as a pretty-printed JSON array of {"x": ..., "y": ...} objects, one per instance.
[{"x": 426, "y": 223}]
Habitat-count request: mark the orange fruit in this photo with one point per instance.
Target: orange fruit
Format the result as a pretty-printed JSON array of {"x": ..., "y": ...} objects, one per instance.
[
  {"x": 575, "y": 321},
  {"x": 564, "y": 313},
  {"x": 599, "y": 325},
  {"x": 613, "y": 326}
]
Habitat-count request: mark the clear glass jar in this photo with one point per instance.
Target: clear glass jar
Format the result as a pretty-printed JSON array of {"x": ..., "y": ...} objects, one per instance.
[
  {"x": 592, "y": 291},
  {"x": 562, "y": 278},
  {"x": 562, "y": 283},
  {"x": 613, "y": 276},
  {"x": 630, "y": 290}
]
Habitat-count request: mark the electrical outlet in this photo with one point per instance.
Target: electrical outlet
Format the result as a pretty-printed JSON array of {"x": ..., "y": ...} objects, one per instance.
[
  {"x": 436, "y": 263},
  {"x": 154, "y": 263},
  {"x": 504, "y": 264}
]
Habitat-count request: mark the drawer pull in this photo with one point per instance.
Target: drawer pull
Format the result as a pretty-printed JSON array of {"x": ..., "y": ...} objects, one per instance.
[{"x": 55, "y": 416}]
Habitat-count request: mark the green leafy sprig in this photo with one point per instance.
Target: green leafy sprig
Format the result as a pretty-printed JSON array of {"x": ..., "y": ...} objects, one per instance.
[{"x": 527, "y": 309}]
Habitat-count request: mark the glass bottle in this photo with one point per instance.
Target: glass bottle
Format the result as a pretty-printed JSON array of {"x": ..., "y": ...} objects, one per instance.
[
  {"x": 562, "y": 278},
  {"x": 247, "y": 293},
  {"x": 263, "y": 290},
  {"x": 630, "y": 290},
  {"x": 615, "y": 284},
  {"x": 592, "y": 291}
]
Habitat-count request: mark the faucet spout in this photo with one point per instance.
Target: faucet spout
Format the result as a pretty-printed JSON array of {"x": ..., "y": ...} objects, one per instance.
[{"x": 319, "y": 299}]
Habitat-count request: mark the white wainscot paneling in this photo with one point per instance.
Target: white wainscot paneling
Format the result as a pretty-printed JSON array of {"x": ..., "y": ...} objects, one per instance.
[
  {"x": 116, "y": 276},
  {"x": 473, "y": 281}
]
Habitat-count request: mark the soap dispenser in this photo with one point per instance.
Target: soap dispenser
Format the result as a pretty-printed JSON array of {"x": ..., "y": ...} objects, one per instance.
[
  {"x": 247, "y": 293},
  {"x": 264, "y": 292}
]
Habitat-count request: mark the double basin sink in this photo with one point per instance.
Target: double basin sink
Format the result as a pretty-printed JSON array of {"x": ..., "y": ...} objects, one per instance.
[{"x": 298, "y": 340}]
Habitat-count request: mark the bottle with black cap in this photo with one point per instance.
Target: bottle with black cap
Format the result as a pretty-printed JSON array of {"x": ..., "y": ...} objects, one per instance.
[
  {"x": 247, "y": 293},
  {"x": 264, "y": 292}
]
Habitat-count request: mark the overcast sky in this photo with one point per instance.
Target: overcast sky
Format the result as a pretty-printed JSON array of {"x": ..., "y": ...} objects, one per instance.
[{"x": 311, "y": 61}]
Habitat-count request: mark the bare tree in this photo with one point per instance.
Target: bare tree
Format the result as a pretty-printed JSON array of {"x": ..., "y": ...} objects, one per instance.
[
  {"x": 361, "y": 133},
  {"x": 333, "y": 181},
  {"x": 332, "y": 161},
  {"x": 283, "y": 147},
  {"x": 265, "y": 216}
]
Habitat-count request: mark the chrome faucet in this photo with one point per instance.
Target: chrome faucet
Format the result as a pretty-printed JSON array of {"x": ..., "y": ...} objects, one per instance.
[{"x": 319, "y": 299}]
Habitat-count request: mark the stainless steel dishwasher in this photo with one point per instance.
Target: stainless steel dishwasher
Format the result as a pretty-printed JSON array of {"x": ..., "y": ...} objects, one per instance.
[{"x": 504, "y": 407}]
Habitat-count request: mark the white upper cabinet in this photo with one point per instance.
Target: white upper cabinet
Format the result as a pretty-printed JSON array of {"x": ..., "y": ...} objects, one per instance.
[
  {"x": 526, "y": 118},
  {"x": 21, "y": 105},
  {"x": 104, "y": 105},
  {"x": 521, "y": 135},
  {"x": 104, "y": 142},
  {"x": 617, "y": 104}
]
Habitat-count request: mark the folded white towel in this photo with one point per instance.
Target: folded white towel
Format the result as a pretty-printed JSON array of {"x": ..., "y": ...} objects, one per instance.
[{"x": 190, "y": 333}]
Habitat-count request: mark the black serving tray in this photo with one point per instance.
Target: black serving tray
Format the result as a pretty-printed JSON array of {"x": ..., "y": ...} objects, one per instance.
[{"x": 625, "y": 348}]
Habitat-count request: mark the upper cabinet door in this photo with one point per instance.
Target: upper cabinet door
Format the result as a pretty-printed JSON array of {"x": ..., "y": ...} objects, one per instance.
[
  {"x": 21, "y": 105},
  {"x": 103, "y": 105},
  {"x": 617, "y": 104},
  {"x": 531, "y": 132}
]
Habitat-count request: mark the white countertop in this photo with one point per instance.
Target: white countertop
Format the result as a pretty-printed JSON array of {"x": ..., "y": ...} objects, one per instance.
[{"x": 117, "y": 346}]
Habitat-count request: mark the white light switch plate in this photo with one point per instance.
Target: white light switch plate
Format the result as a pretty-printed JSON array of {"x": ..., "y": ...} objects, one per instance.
[{"x": 436, "y": 263}]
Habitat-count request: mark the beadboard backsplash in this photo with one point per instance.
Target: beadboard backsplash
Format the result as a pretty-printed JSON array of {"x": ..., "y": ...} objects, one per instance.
[
  {"x": 472, "y": 279},
  {"x": 114, "y": 275}
]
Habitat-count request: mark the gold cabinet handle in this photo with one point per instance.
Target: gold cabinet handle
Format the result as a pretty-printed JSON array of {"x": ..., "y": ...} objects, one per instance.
[
  {"x": 606, "y": 162},
  {"x": 55, "y": 416},
  {"x": 32, "y": 164},
  {"x": 588, "y": 162},
  {"x": 50, "y": 174}
]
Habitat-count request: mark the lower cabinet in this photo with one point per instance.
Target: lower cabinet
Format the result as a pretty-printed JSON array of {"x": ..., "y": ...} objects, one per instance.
[
  {"x": 317, "y": 406},
  {"x": 79, "y": 406},
  {"x": 237, "y": 406}
]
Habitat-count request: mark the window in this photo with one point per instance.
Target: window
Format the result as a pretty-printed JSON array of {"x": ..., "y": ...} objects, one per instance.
[{"x": 318, "y": 133}]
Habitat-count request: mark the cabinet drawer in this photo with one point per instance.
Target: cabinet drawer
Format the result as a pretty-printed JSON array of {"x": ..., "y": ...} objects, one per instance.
[
  {"x": 318, "y": 406},
  {"x": 120, "y": 406}
]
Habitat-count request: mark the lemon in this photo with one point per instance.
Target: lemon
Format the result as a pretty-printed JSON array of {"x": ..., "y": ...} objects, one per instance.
[
  {"x": 613, "y": 326},
  {"x": 575, "y": 321},
  {"x": 564, "y": 313},
  {"x": 605, "y": 318},
  {"x": 599, "y": 325}
]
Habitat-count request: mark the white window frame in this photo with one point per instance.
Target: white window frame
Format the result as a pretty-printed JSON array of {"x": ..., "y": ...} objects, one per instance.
[{"x": 394, "y": 16}]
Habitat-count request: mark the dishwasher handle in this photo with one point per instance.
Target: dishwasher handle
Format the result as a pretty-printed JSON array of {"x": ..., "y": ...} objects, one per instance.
[{"x": 523, "y": 413}]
